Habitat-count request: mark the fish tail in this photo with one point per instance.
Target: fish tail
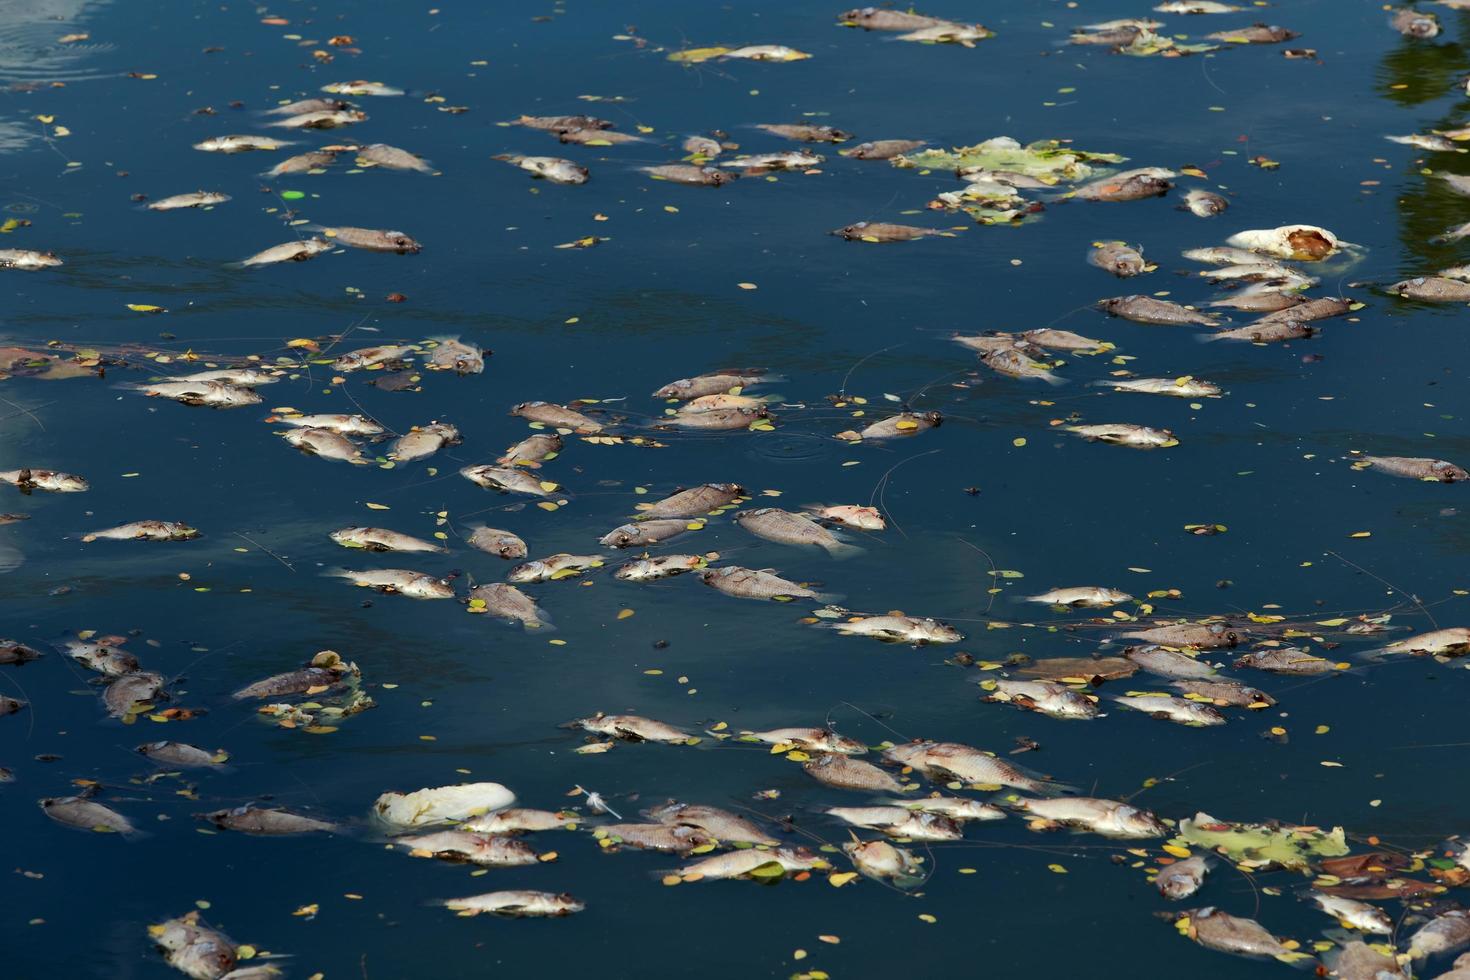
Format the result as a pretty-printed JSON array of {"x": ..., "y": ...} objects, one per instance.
[
  {"x": 827, "y": 597},
  {"x": 1051, "y": 789},
  {"x": 842, "y": 551},
  {"x": 1055, "y": 380}
]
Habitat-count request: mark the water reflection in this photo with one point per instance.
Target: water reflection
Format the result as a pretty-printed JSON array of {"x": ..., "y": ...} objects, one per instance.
[{"x": 32, "y": 55}]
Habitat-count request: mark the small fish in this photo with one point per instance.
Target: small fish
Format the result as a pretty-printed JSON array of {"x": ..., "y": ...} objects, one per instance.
[
  {"x": 1286, "y": 660},
  {"x": 422, "y": 442},
  {"x": 785, "y": 527},
  {"x": 1146, "y": 309},
  {"x": 508, "y": 602},
  {"x": 554, "y": 169},
  {"x": 1412, "y": 23},
  {"x": 104, "y": 656},
  {"x": 895, "y": 427},
  {"x": 516, "y": 820},
  {"x": 1182, "y": 879},
  {"x": 1451, "y": 642},
  {"x": 379, "y": 539},
  {"x": 554, "y": 568},
  {"x": 322, "y": 119},
  {"x": 898, "y": 821},
  {"x": 51, "y": 481},
  {"x": 196, "y": 199},
  {"x": 882, "y": 149},
  {"x": 462, "y": 845},
  {"x": 1204, "y": 204},
  {"x": 1184, "y": 387},
  {"x": 563, "y": 124},
  {"x": 247, "y": 377},
  {"x": 855, "y": 516},
  {"x": 1427, "y": 141},
  {"x": 740, "y": 864},
  {"x": 1052, "y": 700},
  {"x": 497, "y": 542},
  {"x": 370, "y": 239},
  {"x": 1356, "y": 960},
  {"x": 303, "y": 163},
  {"x": 182, "y": 755},
  {"x": 326, "y": 444},
  {"x": 1225, "y": 692},
  {"x": 449, "y": 354},
  {"x": 664, "y": 566},
  {"x": 1124, "y": 434},
  {"x": 1016, "y": 362},
  {"x": 682, "y": 173},
  {"x": 643, "y": 533},
  {"x": 557, "y": 416},
  {"x": 845, "y": 772},
  {"x": 1255, "y": 34},
  {"x": 882, "y": 231},
  {"x": 720, "y": 420},
  {"x": 766, "y": 52},
  {"x": 693, "y": 502},
  {"x": 806, "y": 132},
  {"x": 1265, "y": 332},
  {"x": 632, "y": 728},
  {"x": 882, "y": 861},
  {"x": 397, "y": 581},
  {"x": 1108, "y": 818},
  {"x": 124, "y": 696},
  {"x": 964, "y": 35},
  {"x": 363, "y": 358},
  {"x": 508, "y": 480},
  {"x": 1350, "y": 912},
  {"x": 1123, "y": 261},
  {"x": 1181, "y": 711},
  {"x": 85, "y": 814},
  {"x": 1201, "y": 636},
  {"x": 1446, "y": 933},
  {"x": 21, "y": 258},
  {"x": 1119, "y": 36},
  {"x": 1417, "y": 468},
  {"x": 195, "y": 950},
  {"x": 1164, "y": 662},
  {"x": 532, "y": 451},
  {"x": 702, "y": 147},
  {"x": 1053, "y": 339},
  {"x": 887, "y": 19},
  {"x": 298, "y": 251},
  {"x": 1226, "y": 933},
  {"x": 1130, "y": 185},
  {"x": 957, "y": 808},
  {"x": 1082, "y": 596},
  {"x": 14, "y": 652},
  {"x": 144, "y": 531},
  {"x": 517, "y": 904},
  {"x": 946, "y": 761},
  {"x": 785, "y": 160},
  {"x": 10, "y": 705},
  {"x": 1432, "y": 289},
  {"x": 668, "y": 838},
  {"x": 748, "y": 583},
  {"x": 240, "y": 144},
  {"x": 899, "y": 629},
  {"x": 727, "y": 827},
  {"x": 724, "y": 382},
  {"x": 1195, "y": 7},
  {"x": 361, "y": 88},
  {"x": 213, "y": 394},
  {"x": 308, "y": 105},
  {"x": 1262, "y": 297},
  {"x": 304, "y": 681},
  {"x": 810, "y": 740},
  {"x": 392, "y": 158}
]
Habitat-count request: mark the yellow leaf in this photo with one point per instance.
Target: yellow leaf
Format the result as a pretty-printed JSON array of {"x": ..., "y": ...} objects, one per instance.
[
  {"x": 1176, "y": 850},
  {"x": 841, "y": 878},
  {"x": 1056, "y": 869},
  {"x": 146, "y": 308},
  {"x": 377, "y": 506},
  {"x": 625, "y": 613}
]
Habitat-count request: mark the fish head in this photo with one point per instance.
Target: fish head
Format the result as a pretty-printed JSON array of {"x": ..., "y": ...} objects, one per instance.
[
  {"x": 851, "y": 232},
  {"x": 1448, "y": 472},
  {"x": 403, "y": 243}
]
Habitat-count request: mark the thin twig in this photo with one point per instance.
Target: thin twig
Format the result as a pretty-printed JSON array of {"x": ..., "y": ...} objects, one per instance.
[{"x": 266, "y": 550}]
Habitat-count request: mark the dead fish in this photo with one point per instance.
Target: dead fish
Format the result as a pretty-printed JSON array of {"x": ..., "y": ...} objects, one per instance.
[
  {"x": 1447, "y": 932},
  {"x": 51, "y": 481},
  {"x": 303, "y": 163},
  {"x": 895, "y": 427},
  {"x": 441, "y": 804},
  {"x": 945, "y": 761},
  {"x": 632, "y": 728},
  {"x": 563, "y": 124},
  {"x": 1432, "y": 289},
  {"x": 347, "y": 425},
  {"x": 1427, "y": 141},
  {"x": 739, "y": 864},
  {"x": 898, "y": 821},
  {"x": 247, "y": 377},
  {"x": 1265, "y": 332},
  {"x": 497, "y": 542},
  {"x": 881, "y": 149},
  {"x": 517, "y": 820},
  {"x": 422, "y": 442},
  {"x": 124, "y": 696},
  {"x": 1260, "y": 298},
  {"x": 298, "y": 251},
  {"x": 557, "y": 416},
  {"x": 1043, "y": 697},
  {"x": 182, "y": 755},
  {"x": 195, "y": 950},
  {"x": 766, "y": 52},
  {"x": 670, "y": 839},
  {"x": 517, "y": 904},
  {"x": 85, "y": 814},
  {"x": 392, "y": 158},
  {"x": 1195, "y": 7},
  {"x": 1146, "y": 309},
  {"x": 1130, "y": 185},
  {"x": 957, "y": 808},
  {"x": 1417, "y": 468},
  {"x": 642, "y": 533},
  {"x": 14, "y": 652},
  {"x": 554, "y": 568},
  {"x": 810, "y": 740},
  {"x": 1015, "y": 362},
  {"x": 1450, "y": 642},
  {"x": 785, "y": 160},
  {"x": 1120, "y": 36},
  {"x": 1125, "y": 434},
  {"x": 1107, "y": 818},
  {"x": 1165, "y": 662},
  {"x": 1181, "y": 711},
  {"x": 20, "y": 258},
  {"x": 693, "y": 502},
  {"x": 727, "y": 827},
  {"x": 1204, "y": 204},
  {"x": 10, "y": 705},
  {"x": 702, "y": 146},
  {"x": 964, "y": 35},
  {"x": 397, "y": 581},
  {"x": 682, "y": 173},
  {"x": 213, "y": 394},
  {"x": 1321, "y": 308},
  {"x": 554, "y": 169},
  {"x": 719, "y": 420},
  {"x": 882, "y": 861},
  {"x": 1255, "y": 34},
  {"x": 854, "y": 516},
  {"x": 1182, "y": 878},
  {"x": 785, "y": 527},
  {"x": 1185, "y": 387},
  {"x": 845, "y": 772},
  {"x": 370, "y": 239},
  {"x": 806, "y": 132},
  {"x": 239, "y": 144},
  {"x": 508, "y": 602},
  {"x": 1082, "y": 596},
  {"x": 1231, "y": 693},
  {"x": 361, "y": 87},
  {"x": 718, "y": 383},
  {"x": 1201, "y": 636},
  {"x": 1286, "y": 660},
  {"x": 359, "y": 360},
  {"x": 144, "y": 531},
  {"x": 380, "y": 539},
  {"x": 307, "y": 680},
  {"x": 882, "y": 231},
  {"x": 664, "y": 566},
  {"x": 1411, "y": 23},
  {"x": 105, "y": 657},
  {"x": 898, "y": 629},
  {"x": 307, "y": 105},
  {"x": 718, "y": 403},
  {"x": 1350, "y": 912},
  {"x": 266, "y": 821},
  {"x": 748, "y": 583},
  {"x": 508, "y": 480},
  {"x": 1226, "y": 933},
  {"x": 532, "y": 451},
  {"x": 196, "y": 199},
  {"x": 887, "y": 19},
  {"x": 1356, "y": 960},
  {"x": 1121, "y": 260},
  {"x": 461, "y": 845},
  {"x": 1054, "y": 339},
  {"x": 322, "y": 119},
  {"x": 326, "y": 444},
  {"x": 449, "y": 354}
]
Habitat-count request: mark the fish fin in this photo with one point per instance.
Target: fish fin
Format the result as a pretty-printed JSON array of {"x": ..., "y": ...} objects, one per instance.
[
  {"x": 1056, "y": 381},
  {"x": 826, "y": 597},
  {"x": 10, "y": 558},
  {"x": 843, "y": 552}
]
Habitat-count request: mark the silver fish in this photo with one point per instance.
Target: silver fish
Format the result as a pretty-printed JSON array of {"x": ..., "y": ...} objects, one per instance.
[
  {"x": 1178, "y": 710},
  {"x": 642, "y": 533},
  {"x": 899, "y": 629},
  {"x": 517, "y": 904},
  {"x": 194, "y": 199},
  {"x": 554, "y": 169},
  {"x": 633, "y": 728},
  {"x": 144, "y": 531},
  {"x": 28, "y": 479},
  {"x": 508, "y": 602},
  {"x": 182, "y": 755},
  {"x": 1053, "y": 700},
  {"x": 326, "y": 444},
  {"x": 785, "y": 527},
  {"x": 748, "y": 583},
  {"x": 497, "y": 542},
  {"x": 85, "y": 814},
  {"x": 214, "y": 394},
  {"x": 508, "y": 480},
  {"x": 380, "y": 539},
  {"x": 370, "y": 239},
  {"x": 1108, "y": 818},
  {"x": 423, "y": 441},
  {"x": 397, "y": 581},
  {"x": 664, "y": 566},
  {"x": 240, "y": 144},
  {"x": 21, "y": 258},
  {"x": 392, "y": 158},
  {"x": 1182, "y": 878},
  {"x": 554, "y": 567},
  {"x": 450, "y": 354},
  {"x": 1125, "y": 434},
  {"x": 297, "y": 251}
]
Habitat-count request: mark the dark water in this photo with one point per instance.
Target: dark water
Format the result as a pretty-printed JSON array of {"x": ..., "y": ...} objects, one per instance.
[{"x": 661, "y": 301}]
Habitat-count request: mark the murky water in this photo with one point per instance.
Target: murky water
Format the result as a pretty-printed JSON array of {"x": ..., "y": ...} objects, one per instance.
[{"x": 998, "y": 487}]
